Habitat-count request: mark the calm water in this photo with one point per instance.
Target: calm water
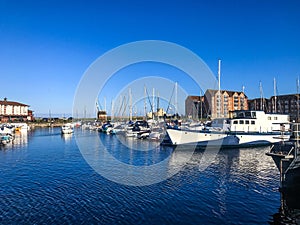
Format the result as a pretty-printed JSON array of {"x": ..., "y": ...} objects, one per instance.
[{"x": 44, "y": 179}]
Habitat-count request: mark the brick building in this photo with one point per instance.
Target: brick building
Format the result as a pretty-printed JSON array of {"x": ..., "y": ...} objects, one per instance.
[
  {"x": 285, "y": 104},
  {"x": 215, "y": 104}
]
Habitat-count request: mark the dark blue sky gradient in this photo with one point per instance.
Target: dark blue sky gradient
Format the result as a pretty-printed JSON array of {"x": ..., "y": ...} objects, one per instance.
[{"x": 45, "y": 47}]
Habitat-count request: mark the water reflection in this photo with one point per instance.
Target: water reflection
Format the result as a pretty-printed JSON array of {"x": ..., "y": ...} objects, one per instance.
[
  {"x": 20, "y": 140},
  {"x": 66, "y": 137}
]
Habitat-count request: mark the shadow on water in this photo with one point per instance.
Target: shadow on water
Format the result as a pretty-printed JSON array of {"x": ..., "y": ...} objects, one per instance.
[{"x": 289, "y": 211}]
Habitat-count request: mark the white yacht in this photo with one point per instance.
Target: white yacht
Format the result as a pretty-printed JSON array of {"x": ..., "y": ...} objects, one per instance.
[
  {"x": 67, "y": 128},
  {"x": 245, "y": 128}
]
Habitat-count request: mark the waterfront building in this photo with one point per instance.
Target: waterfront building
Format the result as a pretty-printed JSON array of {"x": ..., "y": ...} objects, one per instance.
[
  {"x": 14, "y": 111},
  {"x": 195, "y": 107},
  {"x": 285, "y": 104},
  {"x": 216, "y": 104},
  {"x": 158, "y": 114},
  {"x": 262, "y": 104}
]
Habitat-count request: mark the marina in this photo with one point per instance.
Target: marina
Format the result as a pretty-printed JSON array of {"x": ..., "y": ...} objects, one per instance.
[
  {"x": 42, "y": 183},
  {"x": 150, "y": 112}
]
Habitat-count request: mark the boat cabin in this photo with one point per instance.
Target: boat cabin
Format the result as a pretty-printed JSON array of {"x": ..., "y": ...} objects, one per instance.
[{"x": 258, "y": 121}]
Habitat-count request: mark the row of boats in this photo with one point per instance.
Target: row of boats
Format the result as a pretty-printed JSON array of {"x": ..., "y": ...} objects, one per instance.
[
  {"x": 8, "y": 130},
  {"x": 244, "y": 129}
]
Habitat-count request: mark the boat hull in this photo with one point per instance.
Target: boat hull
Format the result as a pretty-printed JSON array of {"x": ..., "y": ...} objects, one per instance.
[{"x": 223, "y": 139}]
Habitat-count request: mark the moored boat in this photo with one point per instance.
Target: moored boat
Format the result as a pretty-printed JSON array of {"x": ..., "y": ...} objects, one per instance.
[
  {"x": 67, "y": 129},
  {"x": 244, "y": 129},
  {"x": 286, "y": 155}
]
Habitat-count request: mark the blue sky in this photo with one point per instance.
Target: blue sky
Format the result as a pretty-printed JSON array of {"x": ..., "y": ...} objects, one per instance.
[{"x": 45, "y": 47}]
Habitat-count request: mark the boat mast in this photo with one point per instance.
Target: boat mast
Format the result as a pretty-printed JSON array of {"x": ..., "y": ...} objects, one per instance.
[
  {"x": 153, "y": 102},
  {"x": 157, "y": 102},
  {"x": 145, "y": 102},
  {"x": 130, "y": 105},
  {"x": 261, "y": 97},
  {"x": 200, "y": 105},
  {"x": 298, "y": 100},
  {"x": 275, "y": 97},
  {"x": 219, "y": 90},
  {"x": 112, "y": 110},
  {"x": 176, "y": 98}
]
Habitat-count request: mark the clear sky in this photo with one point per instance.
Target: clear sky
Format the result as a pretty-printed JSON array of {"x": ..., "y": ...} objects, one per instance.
[{"x": 46, "y": 46}]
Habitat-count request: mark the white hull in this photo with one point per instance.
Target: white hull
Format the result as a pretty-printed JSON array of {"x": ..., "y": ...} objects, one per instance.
[
  {"x": 223, "y": 139},
  {"x": 67, "y": 129}
]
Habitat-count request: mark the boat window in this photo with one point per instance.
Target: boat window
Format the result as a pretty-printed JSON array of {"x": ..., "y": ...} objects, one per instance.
[
  {"x": 252, "y": 122},
  {"x": 269, "y": 117},
  {"x": 253, "y": 114},
  {"x": 235, "y": 122},
  {"x": 241, "y": 114},
  {"x": 241, "y": 121},
  {"x": 248, "y": 114},
  {"x": 246, "y": 121},
  {"x": 275, "y": 118}
]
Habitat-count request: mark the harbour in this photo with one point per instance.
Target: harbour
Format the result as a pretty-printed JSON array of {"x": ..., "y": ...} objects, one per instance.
[
  {"x": 42, "y": 183},
  {"x": 152, "y": 112}
]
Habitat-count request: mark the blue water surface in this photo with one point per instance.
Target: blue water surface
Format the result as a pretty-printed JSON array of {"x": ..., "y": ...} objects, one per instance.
[{"x": 44, "y": 179}]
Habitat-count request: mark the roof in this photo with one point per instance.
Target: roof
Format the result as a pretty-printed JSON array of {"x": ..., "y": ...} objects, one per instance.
[
  {"x": 194, "y": 97},
  {"x": 5, "y": 102},
  {"x": 230, "y": 93}
]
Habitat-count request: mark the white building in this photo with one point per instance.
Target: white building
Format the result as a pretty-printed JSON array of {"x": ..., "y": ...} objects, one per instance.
[{"x": 12, "y": 111}]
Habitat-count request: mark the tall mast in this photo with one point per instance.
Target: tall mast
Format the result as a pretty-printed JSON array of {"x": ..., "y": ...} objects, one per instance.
[
  {"x": 153, "y": 107},
  {"x": 219, "y": 90},
  {"x": 157, "y": 100},
  {"x": 297, "y": 100},
  {"x": 112, "y": 110},
  {"x": 130, "y": 105},
  {"x": 275, "y": 96},
  {"x": 200, "y": 104},
  {"x": 145, "y": 102},
  {"x": 176, "y": 97},
  {"x": 261, "y": 96}
]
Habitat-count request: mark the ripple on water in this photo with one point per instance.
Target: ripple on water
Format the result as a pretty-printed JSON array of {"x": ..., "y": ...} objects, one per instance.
[{"x": 48, "y": 181}]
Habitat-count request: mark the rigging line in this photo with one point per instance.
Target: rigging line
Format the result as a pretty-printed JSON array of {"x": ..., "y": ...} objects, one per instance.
[
  {"x": 149, "y": 100},
  {"x": 170, "y": 99}
]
